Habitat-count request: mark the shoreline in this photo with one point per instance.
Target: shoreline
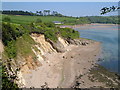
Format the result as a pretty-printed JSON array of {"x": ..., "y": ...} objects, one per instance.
[
  {"x": 79, "y": 25},
  {"x": 61, "y": 69}
]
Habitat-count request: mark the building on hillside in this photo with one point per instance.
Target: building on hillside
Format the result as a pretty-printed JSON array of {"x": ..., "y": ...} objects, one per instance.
[{"x": 57, "y": 22}]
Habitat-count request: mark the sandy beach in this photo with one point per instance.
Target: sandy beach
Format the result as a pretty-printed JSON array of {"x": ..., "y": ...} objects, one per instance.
[{"x": 61, "y": 69}]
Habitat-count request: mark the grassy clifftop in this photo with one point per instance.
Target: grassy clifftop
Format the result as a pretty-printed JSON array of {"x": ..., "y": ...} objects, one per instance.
[{"x": 15, "y": 34}]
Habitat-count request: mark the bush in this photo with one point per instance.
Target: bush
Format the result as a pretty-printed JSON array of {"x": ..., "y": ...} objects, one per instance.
[
  {"x": 50, "y": 24},
  {"x": 38, "y": 21},
  {"x": 7, "y": 19},
  {"x": 50, "y": 34},
  {"x": 69, "y": 33},
  {"x": 11, "y": 49},
  {"x": 11, "y": 32},
  {"x": 7, "y": 82}
]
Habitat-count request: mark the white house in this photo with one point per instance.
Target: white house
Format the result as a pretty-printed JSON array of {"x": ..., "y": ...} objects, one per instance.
[{"x": 57, "y": 22}]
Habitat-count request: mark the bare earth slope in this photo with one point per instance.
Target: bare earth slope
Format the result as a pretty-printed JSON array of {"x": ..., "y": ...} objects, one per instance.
[{"x": 1, "y": 49}]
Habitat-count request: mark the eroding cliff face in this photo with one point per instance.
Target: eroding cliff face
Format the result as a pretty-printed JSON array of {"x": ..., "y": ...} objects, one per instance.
[
  {"x": 63, "y": 42},
  {"x": 49, "y": 46},
  {"x": 1, "y": 49},
  {"x": 42, "y": 44},
  {"x": 20, "y": 66},
  {"x": 40, "y": 49},
  {"x": 37, "y": 58},
  {"x": 60, "y": 45}
]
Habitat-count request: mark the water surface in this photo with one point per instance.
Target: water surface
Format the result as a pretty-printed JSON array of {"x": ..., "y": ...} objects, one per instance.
[{"x": 108, "y": 36}]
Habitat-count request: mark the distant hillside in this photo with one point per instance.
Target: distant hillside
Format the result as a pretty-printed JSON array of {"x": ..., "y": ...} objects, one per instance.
[
  {"x": 24, "y": 19},
  {"x": 100, "y": 19}
]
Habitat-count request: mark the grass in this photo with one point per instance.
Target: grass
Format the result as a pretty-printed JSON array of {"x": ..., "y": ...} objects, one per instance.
[
  {"x": 19, "y": 19},
  {"x": 24, "y": 45}
]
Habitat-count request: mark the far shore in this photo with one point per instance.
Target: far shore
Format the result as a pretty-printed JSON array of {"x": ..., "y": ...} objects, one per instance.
[{"x": 79, "y": 25}]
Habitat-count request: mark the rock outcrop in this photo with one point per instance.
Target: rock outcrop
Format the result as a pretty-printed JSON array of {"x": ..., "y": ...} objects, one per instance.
[
  {"x": 58, "y": 46},
  {"x": 79, "y": 41},
  {"x": 48, "y": 46},
  {"x": 43, "y": 45}
]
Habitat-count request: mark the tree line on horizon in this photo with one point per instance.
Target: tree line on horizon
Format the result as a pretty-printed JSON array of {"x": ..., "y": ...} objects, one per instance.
[{"x": 37, "y": 13}]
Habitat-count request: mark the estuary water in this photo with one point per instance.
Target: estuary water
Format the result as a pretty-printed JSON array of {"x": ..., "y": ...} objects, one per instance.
[{"x": 108, "y": 36}]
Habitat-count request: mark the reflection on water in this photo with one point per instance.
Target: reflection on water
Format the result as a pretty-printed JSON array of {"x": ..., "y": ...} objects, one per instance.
[{"x": 108, "y": 36}]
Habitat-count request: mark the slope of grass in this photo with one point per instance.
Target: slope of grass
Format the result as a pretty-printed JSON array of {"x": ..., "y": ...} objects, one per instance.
[{"x": 24, "y": 44}]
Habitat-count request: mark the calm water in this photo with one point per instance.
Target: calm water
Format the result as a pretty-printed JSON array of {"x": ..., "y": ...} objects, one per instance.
[{"x": 108, "y": 36}]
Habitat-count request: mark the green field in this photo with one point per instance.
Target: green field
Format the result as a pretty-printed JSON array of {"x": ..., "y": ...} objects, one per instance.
[
  {"x": 22, "y": 19},
  {"x": 28, "y": 19}
]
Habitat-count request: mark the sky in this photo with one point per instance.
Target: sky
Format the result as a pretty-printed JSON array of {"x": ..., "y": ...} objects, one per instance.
[
  {"x": 60, "y": 0},
  {"x": 76, "y": 9}
]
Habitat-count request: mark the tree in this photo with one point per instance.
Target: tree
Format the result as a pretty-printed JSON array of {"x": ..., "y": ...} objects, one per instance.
[
  {"x": 109, "y": 9},
  {"x": 37, "y": 12},
  {"x": 45, "y": 12},
  {"x": 54, "y": 13},
  {"x": 40, "y": 13},
  {"x": 48, "y": 12},
  {"x": 17, "y": 12}
]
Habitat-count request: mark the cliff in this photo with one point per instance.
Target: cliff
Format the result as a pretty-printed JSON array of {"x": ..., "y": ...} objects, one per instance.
[
  {"x": 1, "y": 49},
  {"x": 32, "y": 51},
  {"x": 31, "y": 54}
]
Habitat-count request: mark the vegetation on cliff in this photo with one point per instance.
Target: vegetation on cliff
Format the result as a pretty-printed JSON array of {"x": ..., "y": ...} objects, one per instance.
[
  {"x": 8, "y": 82},
  {"x": 16, "y": 36}
]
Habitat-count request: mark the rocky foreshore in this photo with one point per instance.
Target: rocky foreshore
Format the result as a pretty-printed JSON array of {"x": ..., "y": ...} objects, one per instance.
[{"x": 97, "y": 77}]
